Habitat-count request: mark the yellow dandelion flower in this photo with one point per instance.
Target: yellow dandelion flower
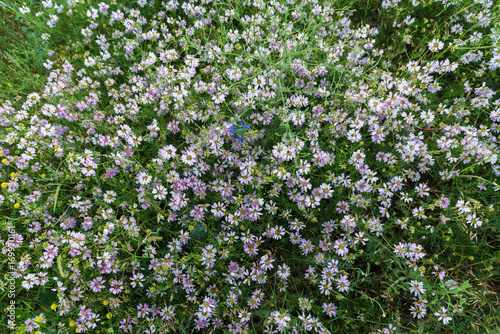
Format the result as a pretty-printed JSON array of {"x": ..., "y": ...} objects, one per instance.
[
  {"x": 38, "y": 319},
  {"x": 108, "y": 316},
  {"x": 72, "y": 323},
  {"x": 53, "y": 306},
  {"x": 4, "y": 161},
  {"x": 4, "y": 184},
  {"x": 16, "y": 205},
  {"x": 105, "y": 303},
  {"x": 12, "y": 174}
]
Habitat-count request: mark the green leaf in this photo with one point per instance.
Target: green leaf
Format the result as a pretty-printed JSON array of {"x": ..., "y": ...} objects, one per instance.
[
  {"x": 462, "y": 288},
  {"x": 420, "y": 327},
  {"x": 57, "y": 194}
]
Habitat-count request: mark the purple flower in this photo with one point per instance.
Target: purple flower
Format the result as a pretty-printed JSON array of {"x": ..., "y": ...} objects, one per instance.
[
  {"x": 330, "y": 309},
  {"x": 97, "y": 284},
  {"x": 116, "y": 287}
]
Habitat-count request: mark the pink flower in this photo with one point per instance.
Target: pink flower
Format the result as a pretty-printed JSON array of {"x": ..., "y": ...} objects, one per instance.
[
  {"x": 306, "y": 247},
  {"x": 143, "y": 178},
  {"x": 283, "y": 271},
  {"x": 342, "y": 283},
  {"x": 116, "y": 287},
  {"x": 97, "y": 284},
  {"x": 443, "y": 316},
  {"x": 330, "y": 309},
  {"x": 143, "y": 310},
  {"x": 342, "y": 207},
  {"x": 341, "y": 247}
]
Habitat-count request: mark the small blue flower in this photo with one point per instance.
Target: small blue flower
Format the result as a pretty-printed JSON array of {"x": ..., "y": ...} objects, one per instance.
[
  {"x": 239, "y": 131},
  {"x": 198, "y": 233}
]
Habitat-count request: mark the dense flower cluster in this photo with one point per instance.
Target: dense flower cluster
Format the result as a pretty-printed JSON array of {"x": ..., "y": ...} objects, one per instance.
[{"x": 244, "y": 167}]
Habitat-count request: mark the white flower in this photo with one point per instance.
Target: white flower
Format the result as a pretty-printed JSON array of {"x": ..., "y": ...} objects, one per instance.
[
  {"x": 160, "y": 192},
  {"x": 24, "y": 10},
  {"x": 167, "y": 152},
  {"x": 435, "y": 45},
  {"x": 189, "y": 158},
  {"x": 463, "y": 206},
  {"x": 109, "y": 196},
  {"x": 281, "y": 318},
  {"x": 143, "y": 178},
  {"x": 417, "y": 288},
  {"x": 244, "y": 315},
  {"x": 443, "y": 316},
  {"x": 283, "y": 271},
  {"x": 29, "y": 281}
]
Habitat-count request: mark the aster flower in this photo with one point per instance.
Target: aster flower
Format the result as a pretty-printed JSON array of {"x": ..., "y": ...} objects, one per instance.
[
  {"x": 116, "y": 287},
  {"x": 341, "y": 247},
  {"x": 325, "y": 287},
  {"x": 143, "y": 310},
  {"x": 342, "y": 283},
  {"x": 330, "y": 309},
  {"x": 24, "y": 10},
  {"x": 97, "y": 284},
  {"x": 306, "y": 246},
  {"x": 435, "y": 45},
  {"x": 109, "y": 196},
  {"x": 29, "y": 281},
  {"x": 443, "y": 316},
  {"x": 281, "y": 318},
  {"x": 418, "y": 311},
  {"x": 143, "y": 178},
  {"x": 266, "y": 262},
  {"x": 189, "y": 157},
  {"x": 417, "y": 288},
  {"x": 283, "y": 271}
]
